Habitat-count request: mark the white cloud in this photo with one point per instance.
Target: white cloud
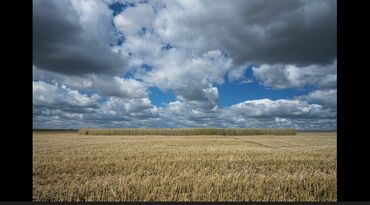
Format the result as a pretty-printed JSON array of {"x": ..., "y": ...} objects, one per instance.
[
  {"x": 194, "y": 29},
  {"x": 282, "y": 108},
  {"x": 73, "y": 37},
  {"x": 247, "y": 81},
  {"x": 122, "y": 113},
  {"x": 253, "y": 30},
  {"x": 142, "y": 49},
  {"x": 326, "y": 97},
  {"x": 237, "y": 73},
  {"x": 252, "y": 113},
  {"x": 61, "y": 97},
  {"x": 188, "y": 76},
  {"x": 280, "y": 119},
  {"x": 58, "y": 105},
  {"x": 73, "y": 82},
  {"x": 192, "y": 109},
  {"x": 102, "y": 84},
  {"x": 57, "y": 114},
  {"x": 133, "y": 19},
  {"x": 279, "y": 76},
  {"x": 119, "y": 87},
  {"x": 211, "y": 94},
  {"x": 121, "y": 106},
  {"x": 94, "y": 18}
]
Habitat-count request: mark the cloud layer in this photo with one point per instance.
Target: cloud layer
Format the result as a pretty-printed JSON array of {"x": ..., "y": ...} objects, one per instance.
[
  {"x": 263, "y": 31},
  {"x": 280, "y": 76},
  {"x": 74, "y": 37},
  {"x": 95, "y": 67}
]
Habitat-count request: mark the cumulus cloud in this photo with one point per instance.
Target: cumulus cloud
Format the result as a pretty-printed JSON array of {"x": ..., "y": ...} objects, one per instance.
[
  {"x": 73, "y": 82},
  {"x": 119, "y": 87},
  {"x": 142, "y": 48},
  {"x": 104, "y": 85},
  {"x": 326, "y": 97},
  {"x": 252, "y": 113},
  {"x": 74, "y": 37},
  {"x": 55, "y": 103},
  {"x": 189, "y": 77},
  {"x": 261, "y": 31},
  {"x": 192, "y": 109},
  {"x": 120, "y": 106},
  {"x": 134, "y": 19},
  {"x": 237, "y": 73},
  {"x": 56, "y": 121},
  {"x": 60, "y": 97},
  {"x": 184, "y": 67},
  {"x": 282, "y": 108},
  {"x": 291, "y": 113},
  {"x": 177, "y": 69},
  {"x": 59, "y": 106},
  {"x": 280, "y": 76},
  {"x": 198, "y": 22}
]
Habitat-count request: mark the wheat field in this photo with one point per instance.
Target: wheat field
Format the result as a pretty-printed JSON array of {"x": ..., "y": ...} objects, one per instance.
[{"x": 73, "y": 167}]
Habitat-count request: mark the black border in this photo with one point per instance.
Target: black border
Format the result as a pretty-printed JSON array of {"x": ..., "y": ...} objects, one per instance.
[
  {"x": 16, "y": 84},
  {"x": 16, "y": 152},
  {"x": 353, "y": 170}
]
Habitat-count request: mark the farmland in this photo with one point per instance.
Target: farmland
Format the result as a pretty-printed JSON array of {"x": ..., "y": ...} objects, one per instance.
[{"x": 69, "y": 166}]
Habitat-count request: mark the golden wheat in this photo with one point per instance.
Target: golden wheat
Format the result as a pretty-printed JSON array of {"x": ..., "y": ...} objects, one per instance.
[{"x": 72, "y": 167}]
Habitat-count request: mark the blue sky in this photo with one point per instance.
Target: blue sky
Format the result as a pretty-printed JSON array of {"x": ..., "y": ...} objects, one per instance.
[
  {"x": 232, "y": 93},
  {"x": 236, "y": 92},
  {"x": 159, "y": 98},
  {"x": 118, "y": 7},
  {"x": 160, "y": 63}
]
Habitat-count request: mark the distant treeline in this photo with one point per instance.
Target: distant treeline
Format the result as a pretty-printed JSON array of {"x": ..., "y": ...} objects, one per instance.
[
  {"x": 55, "y": 130},
  {"x": 188, "y": 131},
  {"x": 316, "y": 130}
]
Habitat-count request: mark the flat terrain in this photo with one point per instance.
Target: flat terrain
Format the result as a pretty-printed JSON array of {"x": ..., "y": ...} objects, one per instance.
[{"x": 72, "y": 167}]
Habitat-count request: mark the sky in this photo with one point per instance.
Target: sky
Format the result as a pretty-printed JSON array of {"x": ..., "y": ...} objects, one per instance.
[{"x": 185, "y": 63}]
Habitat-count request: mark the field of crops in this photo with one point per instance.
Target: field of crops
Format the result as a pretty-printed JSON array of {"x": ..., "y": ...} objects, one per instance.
[{"x": 75, "y": 167}]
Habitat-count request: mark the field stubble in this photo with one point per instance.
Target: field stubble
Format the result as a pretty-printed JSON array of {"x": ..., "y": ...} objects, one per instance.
[{"x": 72, "y": 167}]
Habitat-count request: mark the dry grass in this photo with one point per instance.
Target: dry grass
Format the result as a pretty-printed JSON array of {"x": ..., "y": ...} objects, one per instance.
[{"x": 73, "y": 167}]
